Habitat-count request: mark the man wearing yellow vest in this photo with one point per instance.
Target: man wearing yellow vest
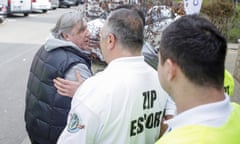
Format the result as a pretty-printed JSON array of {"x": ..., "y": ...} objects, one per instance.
[
  {"x": 191, "y": 69},
  {"x": 228, "y": 83}
]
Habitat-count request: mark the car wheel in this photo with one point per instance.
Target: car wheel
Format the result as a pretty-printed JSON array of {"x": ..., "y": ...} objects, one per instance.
[
  {"x": 26, "y": 14},
  {"x": 77, "y": 3},
  {"x": 1, "y": 20}
]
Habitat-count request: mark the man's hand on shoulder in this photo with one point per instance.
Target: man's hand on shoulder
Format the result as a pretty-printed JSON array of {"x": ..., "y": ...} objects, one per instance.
[{"x": 67, "y": 87}]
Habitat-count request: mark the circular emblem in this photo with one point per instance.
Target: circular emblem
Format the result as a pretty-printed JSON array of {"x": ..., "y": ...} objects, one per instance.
[{"x": 74, "y": 123}]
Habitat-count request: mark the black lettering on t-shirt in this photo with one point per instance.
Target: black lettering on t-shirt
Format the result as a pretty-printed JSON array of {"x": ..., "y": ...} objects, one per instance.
[
  {"x": 226, "y": 89},
  {"x": 149, "y": 98},
  {"x": 133, "y": 128},
  {"x": 147, "y": 121}
]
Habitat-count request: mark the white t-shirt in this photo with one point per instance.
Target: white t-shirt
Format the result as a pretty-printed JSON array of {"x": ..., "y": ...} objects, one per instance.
[{"x": 121, "y": 105}]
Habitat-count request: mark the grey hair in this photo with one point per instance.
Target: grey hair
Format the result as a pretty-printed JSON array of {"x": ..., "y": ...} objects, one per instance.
[
  {"x": 66, "y": 22},
  {"x": 127, "y": 26}
]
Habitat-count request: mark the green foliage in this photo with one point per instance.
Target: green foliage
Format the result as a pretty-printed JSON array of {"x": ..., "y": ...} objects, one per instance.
[
  {"x": 235, "y": 31},
  {"x": 234, "y": 35},
  {"x": 220, "y": 13}
]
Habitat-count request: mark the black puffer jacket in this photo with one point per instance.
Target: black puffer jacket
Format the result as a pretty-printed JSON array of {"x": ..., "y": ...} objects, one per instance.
[{"x": 46, "y": 111}]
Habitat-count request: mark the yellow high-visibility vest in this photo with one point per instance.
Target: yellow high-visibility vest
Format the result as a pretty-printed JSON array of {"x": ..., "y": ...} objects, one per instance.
[
  {"x": 228, "y": 83},
  {"x": 229, "y": 133}
]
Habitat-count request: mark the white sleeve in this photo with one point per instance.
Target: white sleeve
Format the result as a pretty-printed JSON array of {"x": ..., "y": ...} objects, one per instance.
[
  {"x": 82, "y": 125},
  {"x": 170, "y": 107}
]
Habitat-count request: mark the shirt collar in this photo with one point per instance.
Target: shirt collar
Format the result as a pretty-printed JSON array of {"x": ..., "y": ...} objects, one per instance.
[
  {"x": 213, "y": 114},
  {"x": 128, "y": 59}
]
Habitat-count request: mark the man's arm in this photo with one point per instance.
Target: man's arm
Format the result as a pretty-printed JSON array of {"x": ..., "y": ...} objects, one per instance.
[
  {"x": 73, "y": 79},
  {"x": 169, "y": 112},
  {"x": 164, "y": 126},
  {"x": 68, "y": 87},
  {"x": 83, "y": 125}
]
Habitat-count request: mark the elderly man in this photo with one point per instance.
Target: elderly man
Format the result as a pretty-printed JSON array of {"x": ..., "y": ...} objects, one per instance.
[
  {"x": 123, "y": 104},
  {"x": 46, "y": 110}
]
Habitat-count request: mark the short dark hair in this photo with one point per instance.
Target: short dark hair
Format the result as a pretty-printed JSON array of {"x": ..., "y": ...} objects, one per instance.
[
  {"x": 133, "y": 7},
  {"x": 127, "y": 26},
  {"x": 197, "y": 47}
]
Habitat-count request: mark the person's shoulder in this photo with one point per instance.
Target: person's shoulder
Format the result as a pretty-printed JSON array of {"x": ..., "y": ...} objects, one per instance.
[
  {"x": 236, "y": 106},
  {"x": 184, "y": 135},
  {"x": 151, "y": 69},
  {"x": 91, "y": 85},
  {"x": 92, "y": 93}
]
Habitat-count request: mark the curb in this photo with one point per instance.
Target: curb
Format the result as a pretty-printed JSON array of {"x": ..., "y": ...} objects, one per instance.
[{"x": 234, "y": 46}]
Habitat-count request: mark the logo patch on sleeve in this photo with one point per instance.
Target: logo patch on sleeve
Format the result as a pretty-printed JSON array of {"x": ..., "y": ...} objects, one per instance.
[{"x": 75, "y": 124}]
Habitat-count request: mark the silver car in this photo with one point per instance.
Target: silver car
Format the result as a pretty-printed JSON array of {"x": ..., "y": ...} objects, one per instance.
[{"x": 54, "y": 4}]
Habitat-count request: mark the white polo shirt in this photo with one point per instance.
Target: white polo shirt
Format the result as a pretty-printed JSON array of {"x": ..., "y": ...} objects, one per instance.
[{"x": 123, "y": 104}]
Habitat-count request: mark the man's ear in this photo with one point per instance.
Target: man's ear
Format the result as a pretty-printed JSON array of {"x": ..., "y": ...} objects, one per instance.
[
  {"x": 66, "y": 36},
  {"x": 172, "y": 69},
  {"x": 111, "y": 39}
]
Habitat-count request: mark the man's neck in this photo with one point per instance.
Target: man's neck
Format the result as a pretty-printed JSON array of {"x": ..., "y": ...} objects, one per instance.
[{"x": 190, "y": 96}]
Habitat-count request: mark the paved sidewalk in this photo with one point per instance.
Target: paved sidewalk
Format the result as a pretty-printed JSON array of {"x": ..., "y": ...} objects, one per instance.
[
  {"x": 26, "y": 140},
  {"x": 230, "y": 66},
  {"x": 233, "y": 45}
]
